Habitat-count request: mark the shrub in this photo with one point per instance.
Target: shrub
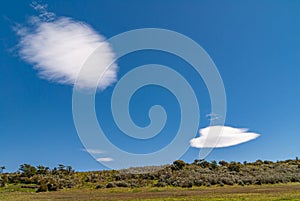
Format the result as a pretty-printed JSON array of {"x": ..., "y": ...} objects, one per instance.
[
  {"x": 186, "y": 184},
  {"x": 98, "y": 186},
  {"x": 234, "y": 166},
  {"x": 110, "y": 185},
  {"x": 52, "y": 187},
  {"x": 121, "y": 184},
  {"x": 160, "y": 184},
  {"x": 240, "y": 182},
  {"x": 213, "y": 165},
  {"x": 204, "y": 164},
  {"x": 223, "y": 163},
  {"x": 178, "y": 165},
  {"x": 2, "y": 182},
  {"x": 42, "y": 188},
  {"x": 198, "y": 182},
  {"x": 221, "y": 183}
]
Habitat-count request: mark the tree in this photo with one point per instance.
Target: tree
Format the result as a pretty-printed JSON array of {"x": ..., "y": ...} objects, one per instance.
[
  {"x": 204, "y": 164},
  {"x": 213, "y": 165},
  {"x": 196, "y": 162},
  {"x": 223, "y": 163},
  {"x": 178, "y": 165},
  {"x": 42, "y": 169},
  {"x": 258, "y": 162},
  {"x": 2, "y": 168},
  {"x": 27, "y": 170},
  {"x": 61, "y": 167},
  {"x": 69, "y": 169},
  {"x": 234, "y": 166}
]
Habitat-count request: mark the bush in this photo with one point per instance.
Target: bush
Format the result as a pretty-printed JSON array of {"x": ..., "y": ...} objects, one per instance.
[
  {"x": 233, "y": 166},
  {"x": 42, "y": 188},
  {"x": 121, "y": 184},
  {"x": 160, "y": 184},
  {"x": 204, "y": 164},
  {"x": 98, "y": 186},
  {"x": 223, "y": 163},
  {"x": 2, "y": 182},
  {"x": 186, "y": 184},
  {"x": 52, "y": 187},
  {"x": 178, "y": 165},
  {"x": 198, "y": 182},
  {"x": 27, "y": 170},
  {"x": 221, "y": 183},
  {"x": 241, "y": 183},
  {"x": 110, "y": 185}
]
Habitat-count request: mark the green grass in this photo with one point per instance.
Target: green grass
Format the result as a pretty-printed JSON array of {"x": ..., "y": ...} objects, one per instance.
[
  {"x": 16, "y": 188},
  {"x": 276, "y": 192}
]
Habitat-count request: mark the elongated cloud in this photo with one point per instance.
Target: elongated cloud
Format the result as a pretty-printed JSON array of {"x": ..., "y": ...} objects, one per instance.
[
  {"x": 222, "y": 136},
  {"x": 93, "y": 151},
  {"x": 59, "y": 46},
  {"x": 213, "y": 116},
  {"x": 106, "y": 159}
]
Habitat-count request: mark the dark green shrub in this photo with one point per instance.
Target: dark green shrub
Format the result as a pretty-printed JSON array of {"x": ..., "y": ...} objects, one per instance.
[
  {"x": 186, "y": 184},
  {"x": 134, "y": 185},
  {"x": 198, "y": 182},
  {"x": 98, "y": 186},
  {"x": 2, "y": 182},
  {"x": 42, "y": 188},
  {"x": 160, "y": 184},
  {"x": 223, "y": 163},
  {"x": 27, "y": 170},
  {"x": 241, "y": 183},
  {"x": 234, "y": 166},
  {"x": 52, "y": 187},
  {"x": 204, "y": 164},
  {"x": 121, "y": 184},
  {"x": 258, "y": 182},
  {"x": 178, "y": 165},
  {"x": 110, "y": 185},
  {"x": 213, "y": 165}
]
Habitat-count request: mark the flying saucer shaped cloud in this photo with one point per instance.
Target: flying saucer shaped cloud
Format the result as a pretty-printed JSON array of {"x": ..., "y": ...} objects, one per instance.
[{"x": 222, "y": 136}]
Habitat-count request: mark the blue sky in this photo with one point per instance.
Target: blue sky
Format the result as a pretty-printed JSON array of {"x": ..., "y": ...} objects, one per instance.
[{"x": 254, "y": 44}]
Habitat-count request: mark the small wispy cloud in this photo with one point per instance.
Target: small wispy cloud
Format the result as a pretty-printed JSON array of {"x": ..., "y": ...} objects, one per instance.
[
  {"x": 105, "y": 159},
  {"x": 213, "y": 116},
  {"x": 222, "y": 136},
  {"x": 59, "y": 46},
  {"x": 93, "y": 151},
  {"x": 44, "y": 14}
]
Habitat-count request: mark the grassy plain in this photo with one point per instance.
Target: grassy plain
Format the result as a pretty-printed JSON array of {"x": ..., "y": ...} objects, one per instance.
[{"x": 290, "y": 191}]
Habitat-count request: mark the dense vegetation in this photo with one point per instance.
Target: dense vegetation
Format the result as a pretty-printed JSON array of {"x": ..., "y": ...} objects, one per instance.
[{"x": 178, "y": 174}]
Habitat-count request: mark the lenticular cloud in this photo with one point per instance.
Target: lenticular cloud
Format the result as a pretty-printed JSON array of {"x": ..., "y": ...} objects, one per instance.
[
  {"x": 58, "y": 47},
  {"x": 222, "y": 136}
]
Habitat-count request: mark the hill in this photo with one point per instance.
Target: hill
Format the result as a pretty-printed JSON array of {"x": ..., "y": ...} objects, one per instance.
[{"x": 178, "y": 174}]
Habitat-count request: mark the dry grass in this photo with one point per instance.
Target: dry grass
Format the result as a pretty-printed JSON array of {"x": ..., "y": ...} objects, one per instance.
[{"x": 264, "y": 192}]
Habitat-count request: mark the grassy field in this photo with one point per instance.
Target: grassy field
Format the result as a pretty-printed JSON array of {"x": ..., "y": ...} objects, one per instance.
[{"x": 255, "y": 192}]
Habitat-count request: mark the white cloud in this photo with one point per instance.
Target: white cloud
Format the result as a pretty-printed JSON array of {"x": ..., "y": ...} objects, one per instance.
[
  {"x": 213, "y": 116},
  {"x": 93, "y": 151},
  {"x": 58, "y": 47},
  {"x": 222, "y": 136},
  {"x": 107, "y": 159},
  {"x": 43, "y": 12}
]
